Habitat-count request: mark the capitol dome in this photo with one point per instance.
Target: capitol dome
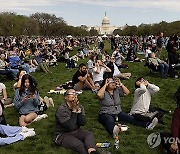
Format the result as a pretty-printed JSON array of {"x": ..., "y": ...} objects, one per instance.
[
  {"x": 105, "y": 28},
  {"x": 105, "y": 21}
]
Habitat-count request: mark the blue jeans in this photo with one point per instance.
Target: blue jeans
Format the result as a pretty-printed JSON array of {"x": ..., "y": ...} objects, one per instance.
[
  {"x": 12, "y": 133},
  {"x": 26, "y": 68},
  {"x": 164, "y": 69},
  {"x": 108, "y": 121},
  {"x": 9, "y": 72}
]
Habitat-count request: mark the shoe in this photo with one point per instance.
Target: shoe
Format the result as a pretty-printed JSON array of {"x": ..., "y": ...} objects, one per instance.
[
  {"x": 116, "y": 131},
  {"x": 46, "y": 100},
  {"x": 94, "y": 91},
  {"x": 116, "y": 144},
  {"x": 51, "y": 102},
  {"x": 176, "y": 76},
  {"x": 25, "y": 129},
  {"x": 39, "y": 117},
  {"x": 152, "y": 124},
  {"x": 123, "y": 128},
  {"x": 30, "y": 133}
]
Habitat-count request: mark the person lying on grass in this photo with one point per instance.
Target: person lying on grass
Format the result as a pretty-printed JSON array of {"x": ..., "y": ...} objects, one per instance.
[
  {"x": 110, "y": 107},
  {"x": 70, "y": 116},
  {"x": 26, "y": 100}
]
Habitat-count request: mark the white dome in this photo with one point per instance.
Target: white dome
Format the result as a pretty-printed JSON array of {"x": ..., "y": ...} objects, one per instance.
[{"x": 105, "y": 21}]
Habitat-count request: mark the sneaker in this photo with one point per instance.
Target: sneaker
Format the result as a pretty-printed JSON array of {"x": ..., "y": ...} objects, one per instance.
[
  {"x": 94, "y": 91},
  {"x": 123, "y": 128},
  {"x": 25, "y": 129},
  {"x": 116, "y": 131},
  {"x": 39, "y": 117},
  {"x": 30, "y": 133},
  {"x": 152, "y": 124},
  {"x": 176, "y": 76},
  {"x": 116, "y": 144},
  {"x": 51, "y": 102}
]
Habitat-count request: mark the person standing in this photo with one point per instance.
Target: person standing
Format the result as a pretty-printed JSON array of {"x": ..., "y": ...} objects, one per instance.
[{"x": 159, "y": 44}]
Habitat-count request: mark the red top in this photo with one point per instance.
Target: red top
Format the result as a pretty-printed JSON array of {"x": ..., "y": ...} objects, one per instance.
[{"x": 175, "y": 127}]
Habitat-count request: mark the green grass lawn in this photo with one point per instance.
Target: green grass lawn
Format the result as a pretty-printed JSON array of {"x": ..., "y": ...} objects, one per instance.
[{"x": 132, "y": 141}]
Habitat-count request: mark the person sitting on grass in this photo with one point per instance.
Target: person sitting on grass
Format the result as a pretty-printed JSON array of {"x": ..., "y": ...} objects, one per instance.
[
  {"x": 5, "y": 69},
  {"x": 115, "y": 72},
  {"x": 11, "y": 134},
  {"x": 46, "y": 102},
  {"x": 3, "y": 96},
  {"x": 142, "y": 99},
  {"x": 81, "y": 79},
  {"x": 41, "y": 65},
  {"x": 158, "y": 63},
  {"x": 110, "y": 108},
  {"x": 98, "y": 72},
  {"x": 131, "y": 56},
  {"x": 26, "y": 100},
  {"x": 70, "y": 116}
]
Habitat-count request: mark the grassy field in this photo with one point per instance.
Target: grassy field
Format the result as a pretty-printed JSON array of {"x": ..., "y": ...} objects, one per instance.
[{"x": 132, "y": 141}]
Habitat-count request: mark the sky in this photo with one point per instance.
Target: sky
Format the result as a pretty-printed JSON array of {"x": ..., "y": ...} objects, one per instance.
[{"x": 91, "y": 12}]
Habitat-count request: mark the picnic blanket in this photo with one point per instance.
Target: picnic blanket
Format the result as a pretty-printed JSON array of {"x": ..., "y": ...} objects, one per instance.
[{"x": 61, "y": 89}]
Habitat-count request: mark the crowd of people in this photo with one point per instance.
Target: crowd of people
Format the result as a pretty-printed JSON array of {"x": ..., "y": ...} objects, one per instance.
[{"x": 19, "y": 56}]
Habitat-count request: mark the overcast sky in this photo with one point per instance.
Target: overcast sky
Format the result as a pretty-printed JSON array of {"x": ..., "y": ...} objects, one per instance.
[{"x": 91, "y": 12}]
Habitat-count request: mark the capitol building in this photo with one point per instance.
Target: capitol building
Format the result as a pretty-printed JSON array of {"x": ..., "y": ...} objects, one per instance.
[{"x": 106, "y": 27}]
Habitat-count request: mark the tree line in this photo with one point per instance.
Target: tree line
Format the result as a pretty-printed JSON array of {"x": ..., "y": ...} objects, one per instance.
[
  {"x": 42, "y": 24},
  {"x": 169, "y": 29},
  {"x": 45, "y": 24}
]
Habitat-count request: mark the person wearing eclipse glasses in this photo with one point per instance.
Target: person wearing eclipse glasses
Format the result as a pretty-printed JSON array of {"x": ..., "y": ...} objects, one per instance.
[
  {"x": 111, "y": 113},
  {"x": 70, "y": 116}
]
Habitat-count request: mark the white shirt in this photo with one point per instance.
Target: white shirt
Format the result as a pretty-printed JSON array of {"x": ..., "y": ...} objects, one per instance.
[
  {"x": 2, "y": 87},
  {"x": 148, "y": 51},
  {"x": 116, "y": 70},
  {"x": 90, "y": 64},
  {"x": 142, "y": 98},
  {"x": 98, "y": 76}
]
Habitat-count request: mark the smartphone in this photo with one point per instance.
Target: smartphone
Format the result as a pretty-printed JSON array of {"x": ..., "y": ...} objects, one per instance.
[{"x": 103, "y": 145}]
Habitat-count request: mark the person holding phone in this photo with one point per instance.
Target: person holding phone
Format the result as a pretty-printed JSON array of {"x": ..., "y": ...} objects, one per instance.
[
  {"x": 70, "y": 117},
  {"x": 26, "y": 100}
]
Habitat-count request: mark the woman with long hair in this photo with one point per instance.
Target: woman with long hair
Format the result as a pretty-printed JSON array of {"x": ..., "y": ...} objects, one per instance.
[{"x": 26, "y": 100}]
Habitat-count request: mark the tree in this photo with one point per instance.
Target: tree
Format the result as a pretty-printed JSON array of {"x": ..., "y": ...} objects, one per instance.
[
  {"x": 49, "y": 24},
  {"x": 31, "y": 27},
  {"x": 117, "y": 31},
  {"x": 93, "y": 32}
]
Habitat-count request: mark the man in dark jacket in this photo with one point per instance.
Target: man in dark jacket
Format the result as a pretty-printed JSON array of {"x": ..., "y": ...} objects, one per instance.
[
  {"x": 70, "y": 116},
  {"x": 159, "y": 44}
]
